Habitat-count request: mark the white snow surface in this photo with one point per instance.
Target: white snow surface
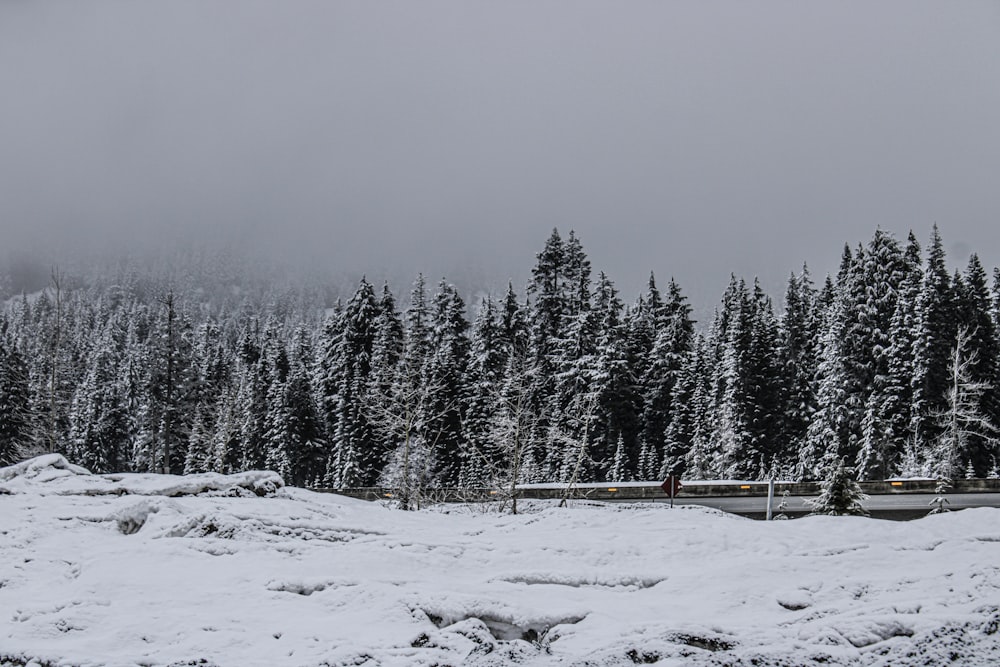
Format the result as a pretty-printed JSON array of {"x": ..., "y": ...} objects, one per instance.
[{"x": 157, "y": 570}]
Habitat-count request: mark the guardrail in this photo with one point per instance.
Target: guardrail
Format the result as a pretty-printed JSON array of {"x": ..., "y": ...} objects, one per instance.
[{"x": 640, "y": 492}]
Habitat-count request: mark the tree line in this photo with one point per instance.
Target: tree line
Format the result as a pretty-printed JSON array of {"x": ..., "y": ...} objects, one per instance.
[{"x": 891, "y": 365}]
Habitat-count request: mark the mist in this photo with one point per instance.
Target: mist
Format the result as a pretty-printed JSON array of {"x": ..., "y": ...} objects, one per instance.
[{"x": 691, "y": 139}]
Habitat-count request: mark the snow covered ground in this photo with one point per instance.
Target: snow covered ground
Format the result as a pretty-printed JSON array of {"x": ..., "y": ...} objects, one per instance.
[{"x": 215, "y": 570}]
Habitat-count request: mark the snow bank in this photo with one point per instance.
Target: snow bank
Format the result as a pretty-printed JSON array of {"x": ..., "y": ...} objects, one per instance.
[
  {"x": 42, "y": 469},
  {"x": 53, "y": 474},
  {"x": 304, "y": 579}
]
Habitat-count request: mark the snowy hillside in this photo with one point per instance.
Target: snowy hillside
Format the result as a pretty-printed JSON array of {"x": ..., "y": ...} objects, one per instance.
[{"x": 240, "y": 571}]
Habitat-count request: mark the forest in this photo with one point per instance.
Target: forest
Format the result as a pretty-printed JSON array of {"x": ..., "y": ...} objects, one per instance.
[{"x": 892, "y": 365}]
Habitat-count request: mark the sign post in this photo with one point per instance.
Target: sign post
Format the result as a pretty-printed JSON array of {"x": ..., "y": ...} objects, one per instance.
[{"x": 671, "y": 487}]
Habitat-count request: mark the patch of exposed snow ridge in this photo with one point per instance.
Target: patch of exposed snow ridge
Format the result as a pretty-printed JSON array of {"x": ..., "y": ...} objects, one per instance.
[{"x": 234, "y": 570}]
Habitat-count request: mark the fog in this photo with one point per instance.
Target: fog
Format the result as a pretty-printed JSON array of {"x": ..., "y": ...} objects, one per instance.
[{"x": 692, "y": 139}]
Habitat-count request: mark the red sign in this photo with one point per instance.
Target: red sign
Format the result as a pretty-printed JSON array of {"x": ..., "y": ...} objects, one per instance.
[{"x": 672, "y": 486}]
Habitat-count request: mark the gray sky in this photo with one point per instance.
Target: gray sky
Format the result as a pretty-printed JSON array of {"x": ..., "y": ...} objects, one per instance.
[{"x": 689, "y": 138}]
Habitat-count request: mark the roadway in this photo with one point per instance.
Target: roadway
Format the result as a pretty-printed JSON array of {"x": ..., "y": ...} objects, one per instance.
[
  {"x": 906, "y": 499},
  {"x": 888, "y": 506}
]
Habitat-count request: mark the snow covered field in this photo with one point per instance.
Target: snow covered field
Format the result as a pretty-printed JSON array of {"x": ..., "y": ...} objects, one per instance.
[{"x": 135, "y": 570}]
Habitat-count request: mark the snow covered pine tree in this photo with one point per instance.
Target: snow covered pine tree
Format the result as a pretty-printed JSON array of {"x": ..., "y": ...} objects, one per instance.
[{"x": 839, "y": 494}]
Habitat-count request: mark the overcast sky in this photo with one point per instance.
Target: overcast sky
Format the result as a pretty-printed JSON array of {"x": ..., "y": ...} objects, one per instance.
[{"x": 693, "y": 139}]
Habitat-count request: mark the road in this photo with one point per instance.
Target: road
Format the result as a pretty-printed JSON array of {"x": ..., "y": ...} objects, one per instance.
[
  {"x": 911, "y": 501},
  {"x": 890, "y": 506}
]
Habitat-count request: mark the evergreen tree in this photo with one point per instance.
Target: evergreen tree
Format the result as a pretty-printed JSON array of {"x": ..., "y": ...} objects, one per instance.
[
  {"x": 169, "y": 395},
  {"x": 575, "y": 287},
  {"x": 199, "y": 457},
  {"x": 100, "y": 429},
  {"x": 995, "y": 301},
  {"x": 687, "y": 442},
  {"x": 447, "y": 369},
  {"x": 146, "y": 411},
  {"x": 734, "y": 457},
  {"x": 638, "y": 345},
  {"x": 618, "y": 472},
  {"x": 513, "y": 331},
  {"x": 278, "y": 436},
  {"x": 487, "y": 363},
  {"x": 673, "y": 332},
  {"x": 746, "y": 391},
  {"x": 885, "y": 275},
  {"x": 573, "y": 386},
  {"x": 830, "y": 429},
  {"x": 973, "y": 303},
  {"x": 767, "y": 390},
  {"x": 326, "y": 378},
  {"x": 562, "y": 340},
  {"x": 840, "y": 494},
  {"x": 387, "y": 351},
  {"x": 417, "y": 343},
  {"x": 868, "y": 299},
  {"x": 225, "y": 441},
  {"x": 59, "y": 386},
  {"x": 306, "y": 440},
  {"x": 355, "y": 461},
  {"x": 548, "y": 319},
  {"x": 252, "y": 401},
  {"x": 548, "y": 302},
  {"x": 398, "y": 411},
  {"x": 889, "y": 448},
  {"x": 210, "y": 370},
  {"x": 15, "y": 420},
  {"x": 296, "y": 447},
  {"x": 798, "y": 344},
  {"x": 611, "y": 382},
  {"x": 935, "y": 338},
  {"x": 387, "y": 346}
]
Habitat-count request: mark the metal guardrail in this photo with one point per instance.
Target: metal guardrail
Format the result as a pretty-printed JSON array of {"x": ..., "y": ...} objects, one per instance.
[{"x": 654, "y": 492}]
